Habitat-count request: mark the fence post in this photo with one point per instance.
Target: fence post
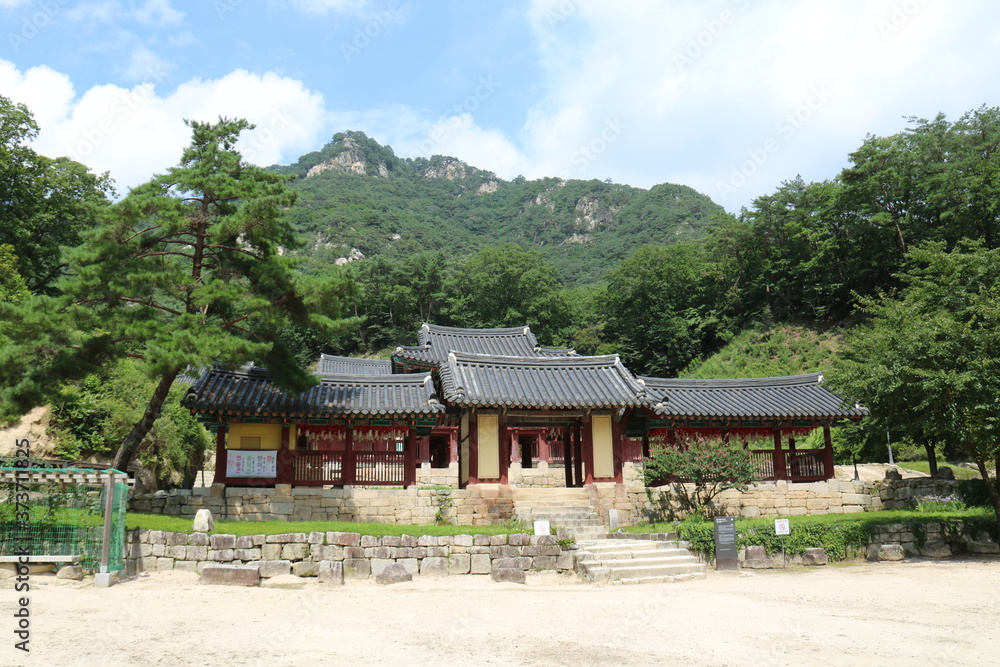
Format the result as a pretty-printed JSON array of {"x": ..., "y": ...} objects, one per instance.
[{"x": 103, "y": 578}]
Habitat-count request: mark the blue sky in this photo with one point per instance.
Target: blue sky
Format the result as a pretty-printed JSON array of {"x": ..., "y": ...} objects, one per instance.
[{"x": 730, "y": 97}]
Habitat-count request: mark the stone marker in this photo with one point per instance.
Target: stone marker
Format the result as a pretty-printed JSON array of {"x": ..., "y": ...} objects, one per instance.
[
  {"x": 815, "y": 556},
  {"x": 393, "y": 574},
  {"x": 757, "y": 558},
  {"x": 892, "y": 475},
  {"x": 203, "y": 521},
  {"x": 944, "y": 472},
  {"x": 230, "y": 575}
]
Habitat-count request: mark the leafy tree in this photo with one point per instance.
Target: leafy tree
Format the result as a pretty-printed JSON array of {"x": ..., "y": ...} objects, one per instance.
[
  {"x": 45, "y": 203},
  {"x": 185, "y": 272},
  {"x": 660, "y": 308},
  {"x": 504, "y": 286},
  {"x": 12, "y": 286},
  {"x": 92, "y": 416},
  {"x": 697, "y": 472},
  {"x": 927, "y": 363}
]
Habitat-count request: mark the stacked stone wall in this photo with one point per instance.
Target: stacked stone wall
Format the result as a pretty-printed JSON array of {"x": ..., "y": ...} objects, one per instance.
[
  {"x": 478, "y": 505},
  {"x": 360, "y": 556}
]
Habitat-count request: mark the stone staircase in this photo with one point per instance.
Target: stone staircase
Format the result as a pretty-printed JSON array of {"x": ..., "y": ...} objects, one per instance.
[
  {"x": 563, "y": 508},
  {"x": 621, "y": 561}
]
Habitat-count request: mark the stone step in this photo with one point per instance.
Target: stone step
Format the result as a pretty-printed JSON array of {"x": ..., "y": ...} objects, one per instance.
[
  {"x": 636, "y": 561},
  {"x": 536, "y": 494},
  {"x": 660, "y": 579}
]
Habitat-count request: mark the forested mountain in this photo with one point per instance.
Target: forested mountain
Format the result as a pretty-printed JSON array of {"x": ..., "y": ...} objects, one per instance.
[{"x": 357, "y": 198}]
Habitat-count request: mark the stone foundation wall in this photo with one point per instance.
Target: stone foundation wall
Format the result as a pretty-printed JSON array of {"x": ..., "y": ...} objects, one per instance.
[
  {"x": 485, "y": 504},
  {"x": 481, "y": 504},
  {"x": 360, "y": 556},
  {"x": 784, "y": 499}
]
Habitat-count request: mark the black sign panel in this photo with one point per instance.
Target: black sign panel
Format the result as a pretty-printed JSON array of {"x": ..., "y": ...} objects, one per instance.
[{"x": 725, "y": 543}]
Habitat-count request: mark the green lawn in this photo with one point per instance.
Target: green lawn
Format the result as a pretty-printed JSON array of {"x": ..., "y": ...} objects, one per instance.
[
  {"x": 868, "y": 518},
  {"x": 925, "y": 467},
  {"x": 183, "y": 525}
]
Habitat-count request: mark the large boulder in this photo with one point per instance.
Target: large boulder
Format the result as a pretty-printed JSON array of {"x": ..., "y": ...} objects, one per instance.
[
  {"x": 203, "y": 521},
  {"x": 395, "y": 573}
]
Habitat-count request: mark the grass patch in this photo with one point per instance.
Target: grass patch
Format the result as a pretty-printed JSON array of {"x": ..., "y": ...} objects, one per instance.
[
  {"x": 177, "y": 524},
  {"x": 925, "y": 467},
  {"x": 842, "y": 535}
]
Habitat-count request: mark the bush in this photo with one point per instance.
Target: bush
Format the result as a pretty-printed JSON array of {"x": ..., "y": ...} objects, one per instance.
[{"x": 697, "y": 473}]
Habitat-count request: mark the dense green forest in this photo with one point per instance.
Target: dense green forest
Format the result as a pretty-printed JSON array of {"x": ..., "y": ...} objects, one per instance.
[{"x": 798, "y": 281}]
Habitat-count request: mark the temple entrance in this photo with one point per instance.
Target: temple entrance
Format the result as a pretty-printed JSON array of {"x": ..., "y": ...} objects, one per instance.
[{"x": 528, "y": 444}]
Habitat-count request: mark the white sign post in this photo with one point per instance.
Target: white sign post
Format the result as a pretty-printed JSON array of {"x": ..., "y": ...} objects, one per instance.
[
  {"x": 781, "y": 527},
  {"x": 542, "y": 527}
]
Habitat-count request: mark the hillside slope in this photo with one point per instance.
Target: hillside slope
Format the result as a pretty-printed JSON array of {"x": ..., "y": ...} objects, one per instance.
[
  {"x": 770, "y": 352},
  {"x": 357, "y": 198}
]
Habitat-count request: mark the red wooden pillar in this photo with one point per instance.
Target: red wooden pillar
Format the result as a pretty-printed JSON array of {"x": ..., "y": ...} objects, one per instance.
[
  {"x": 453, "y": 445},
  {"x": 286, "y": 463},
  {"x": 780, "y": 471},
  {"x": 568, "y": 455},
  {"x": 578, "y": 452},
  {"x": 503, "y": 438},
  {"x": 410, "y": 458},
  {"x": 544, "y": 452},
  {"x": 349, "y": 462},
  {"x": 473, "y": 449},
  {"x": 220, "y": 454},
  {"x": 828, "y": 454},
  {"x": 617, "y": 445},
  {"x": 671, "y": 437}
]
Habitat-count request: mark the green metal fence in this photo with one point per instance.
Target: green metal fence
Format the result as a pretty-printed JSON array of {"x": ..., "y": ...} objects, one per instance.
[{"x": 45, "y": 511}]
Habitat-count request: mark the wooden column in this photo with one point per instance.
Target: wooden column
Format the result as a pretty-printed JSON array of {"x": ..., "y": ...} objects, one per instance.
[
  {"x": 349, "y": 464},
  {"x": 578, "y": 453},
  {"x": 617, "y": 445},
  {"x": 588, "y": 452},
  {"x": 410, "y": 458},
  {"x": 503, "y": 447},
  {"x": 828, "y": 453},
  {"x": 452, "y": 446},
  {"x": 779, "y": 456},
  {"x": 544, "y": 453},
  {"x": 220, "y": 454},
  {"x": 568, "y": 455},
  {"x": 473, "y": 449},
  {"x": 286, "y": 458}
]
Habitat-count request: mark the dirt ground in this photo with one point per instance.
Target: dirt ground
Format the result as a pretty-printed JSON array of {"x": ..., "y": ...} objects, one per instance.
[{"x": 911, "y": 613}]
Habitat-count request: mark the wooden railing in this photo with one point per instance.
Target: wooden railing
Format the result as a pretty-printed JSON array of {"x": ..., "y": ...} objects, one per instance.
[
  {"x": 380, "y": 468},
  {"x": 804, "y": 465},
  {"x": 317, "y": 468}
]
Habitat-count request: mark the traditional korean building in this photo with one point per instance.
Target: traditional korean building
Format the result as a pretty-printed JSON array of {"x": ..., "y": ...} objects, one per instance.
[
  {"x": 479, "y": 402},
  {"x": 751, "y": 410}
]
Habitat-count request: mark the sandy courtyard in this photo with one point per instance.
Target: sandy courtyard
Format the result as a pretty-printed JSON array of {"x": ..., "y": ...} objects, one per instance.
[{"x": 912, "y": 613}]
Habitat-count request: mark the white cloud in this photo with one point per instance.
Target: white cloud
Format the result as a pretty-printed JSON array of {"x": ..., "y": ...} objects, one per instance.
[
  {"x": 698, "y": 90},
  {"x": 95, "y": 11},
  {"x": 146, "y": 66},
  {"x": 354, "y": 7},
  {"x": 157, "y": 12},
  {"x": 135, "y": 132},
  {"x": 10, "y": 4}
]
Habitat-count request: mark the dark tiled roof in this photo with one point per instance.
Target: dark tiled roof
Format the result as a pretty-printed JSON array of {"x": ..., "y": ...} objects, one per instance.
[
  {"x": 555, "y": 352},
  {"x": 436, "y": 342},
  {"x": 789, "y": 397},
  {"x": 331, "y": 365},
  {"x": 540, "y": 382},
  {"x": 249, "y": 391}
]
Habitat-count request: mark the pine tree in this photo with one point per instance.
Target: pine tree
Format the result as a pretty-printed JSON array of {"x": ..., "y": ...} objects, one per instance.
[{"x": 187, "y": 271}]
